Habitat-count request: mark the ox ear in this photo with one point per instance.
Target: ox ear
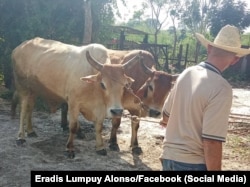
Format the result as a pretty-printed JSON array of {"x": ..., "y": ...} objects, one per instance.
[{"x": 89, "y": 79}]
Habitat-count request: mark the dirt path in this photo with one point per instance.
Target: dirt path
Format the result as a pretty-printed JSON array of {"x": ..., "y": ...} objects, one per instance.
[{"x": 46, "y": 151}]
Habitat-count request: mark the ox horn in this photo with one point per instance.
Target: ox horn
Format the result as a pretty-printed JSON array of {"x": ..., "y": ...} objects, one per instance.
[
  {"x": 146, "y": 69},
  {"x": 93, "y": 62},
  {"x": 130, "y": 63}
]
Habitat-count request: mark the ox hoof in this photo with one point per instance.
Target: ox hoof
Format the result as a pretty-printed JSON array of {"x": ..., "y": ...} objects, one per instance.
[
  {"x": 69, "y": 154},
  {"x": 137, "y": 150},
  {"x": 114, "y": 147},
  {"x": 102, "y": 152},
  {"x": 32, "y": 135},
  {"x": 20, "y": 142}
]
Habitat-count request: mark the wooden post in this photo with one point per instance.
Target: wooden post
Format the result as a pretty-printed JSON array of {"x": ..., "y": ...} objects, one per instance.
[
  {"x": 121, "y": 41},
  {"x": 186, "y": 56},
  {"x": 87, "y": 36},
  {"x": 166, "y": 65},
  {"x": 179, "y": 57}
]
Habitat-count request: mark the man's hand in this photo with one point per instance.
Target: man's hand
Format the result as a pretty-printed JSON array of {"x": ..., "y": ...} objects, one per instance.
[{"x": 164, "y": 120}]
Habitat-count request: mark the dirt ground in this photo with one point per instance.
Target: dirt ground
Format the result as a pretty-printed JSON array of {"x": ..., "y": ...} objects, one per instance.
[{"x": 46, "y": 151}]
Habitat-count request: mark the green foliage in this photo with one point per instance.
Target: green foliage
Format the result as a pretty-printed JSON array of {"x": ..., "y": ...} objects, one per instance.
[
  {"x": 22, "y": 20},
  {"x": 63, "y": 20},
  {"x": 233, "y": 76},
  {"x": 7, "y": 94},
  {"x": 103, "y": 16},
  {"x": 191, "y": 16},
  {"x": 231, "y": 13},
  {"x": 1, "y": 79},
  {"x": 245, "y": 39}
]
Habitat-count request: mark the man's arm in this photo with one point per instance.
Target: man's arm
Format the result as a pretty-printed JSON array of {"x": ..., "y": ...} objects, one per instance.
[
  {"x": 164, "y": 120},
  {"x": 213, "y": 154}
]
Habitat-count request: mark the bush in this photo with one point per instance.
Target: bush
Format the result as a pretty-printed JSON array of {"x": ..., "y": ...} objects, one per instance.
[{"x": 7, "y": 94}]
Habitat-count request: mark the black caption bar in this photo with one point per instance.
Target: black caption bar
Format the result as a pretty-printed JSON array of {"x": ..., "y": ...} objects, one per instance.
[{"x": 79, "y": 178}]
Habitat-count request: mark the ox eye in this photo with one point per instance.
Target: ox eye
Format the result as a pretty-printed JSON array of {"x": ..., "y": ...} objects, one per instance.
[
  {"x": 102, "y": 85},
  {"x": 150, "y": 87}
]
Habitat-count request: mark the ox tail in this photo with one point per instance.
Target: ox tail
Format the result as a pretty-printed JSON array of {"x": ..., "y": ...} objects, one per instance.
[
  {"x": 14, "y": 103},
  {"x": 15, "y": 97}
]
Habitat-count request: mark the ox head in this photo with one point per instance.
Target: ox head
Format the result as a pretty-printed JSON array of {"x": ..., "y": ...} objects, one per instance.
[
  {"x": 111, "y": 81},
  {"x": 155, "y": 90}
]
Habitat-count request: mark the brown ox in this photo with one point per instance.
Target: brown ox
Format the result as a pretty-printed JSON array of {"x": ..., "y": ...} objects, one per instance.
[
  {"x": 62, "y": 73},
  {"x": 150, "y": 86},
  {"x": 146, "y": 96}
]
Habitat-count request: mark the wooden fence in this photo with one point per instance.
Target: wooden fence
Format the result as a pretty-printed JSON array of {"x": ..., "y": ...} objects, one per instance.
[
  {"x": 160, "y": 53},
  {"x": 164, "y": 62}
]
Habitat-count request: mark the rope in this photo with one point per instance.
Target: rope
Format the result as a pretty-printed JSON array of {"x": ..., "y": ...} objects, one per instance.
[{"x": 142, "y": 105}]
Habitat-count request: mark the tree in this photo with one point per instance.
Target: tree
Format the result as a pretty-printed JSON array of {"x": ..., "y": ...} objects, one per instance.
[
  {"x": 52, "y": 19},
  {"x": 158, "y": 8},
  {"x": 22, "y": 20},
  {"x": 196, "y": 17},
  {"x": 103, "y": 17},
  {"x": 229, "y": 12},
  {"x": 88, "y": 22},
  {"x": 196, "y": 14},
  {"x": 175, "y": 13}
]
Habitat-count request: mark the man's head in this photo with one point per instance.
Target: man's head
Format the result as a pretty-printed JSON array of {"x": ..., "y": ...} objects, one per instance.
[
  {"x": 226, "y": 49},
  {"x": 227, "y": 39},
  {"x": 221, "y": 58}
]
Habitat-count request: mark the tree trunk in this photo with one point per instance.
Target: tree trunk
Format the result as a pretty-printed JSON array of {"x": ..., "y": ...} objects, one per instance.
[
  {"x": 197, "y": 52},
  {"x": 87, "y": 36}
]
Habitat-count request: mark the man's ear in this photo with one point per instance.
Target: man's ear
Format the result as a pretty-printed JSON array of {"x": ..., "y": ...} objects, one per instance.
[{"x": 209, "y": 47}]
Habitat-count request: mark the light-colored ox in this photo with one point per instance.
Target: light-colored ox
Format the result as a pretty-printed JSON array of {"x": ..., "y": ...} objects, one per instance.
[
  {"x": 80, "y": 76},
  {"x": 146, "y": 97}
]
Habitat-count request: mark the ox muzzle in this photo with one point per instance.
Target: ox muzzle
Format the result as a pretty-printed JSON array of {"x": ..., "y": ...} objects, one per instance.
[{"x": 154, "y": 113}]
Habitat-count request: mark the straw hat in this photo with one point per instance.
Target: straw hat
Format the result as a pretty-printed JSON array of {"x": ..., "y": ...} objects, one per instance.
[{"x": 228, "y": 39}]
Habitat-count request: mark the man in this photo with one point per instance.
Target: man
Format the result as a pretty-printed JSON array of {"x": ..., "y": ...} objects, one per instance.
[{"x": 197, "y": 109}]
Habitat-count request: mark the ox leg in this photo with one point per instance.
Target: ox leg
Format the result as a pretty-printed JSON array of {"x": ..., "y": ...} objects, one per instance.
[
  {"x": 135, "y": 123},
  {"x": 30, "y": 107},
  {"x": 73, "y": 127},
  {"x": 113, "y": 145},
  {"x": 64, "y": 113},
  {"x": 64, "y": 121},
  {"x": 23, "y": 113},
  {"x": 100, "y": 149}
]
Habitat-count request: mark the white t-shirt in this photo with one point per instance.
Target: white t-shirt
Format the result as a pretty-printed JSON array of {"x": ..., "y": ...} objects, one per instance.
[{"x": 198, "y": 107}]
